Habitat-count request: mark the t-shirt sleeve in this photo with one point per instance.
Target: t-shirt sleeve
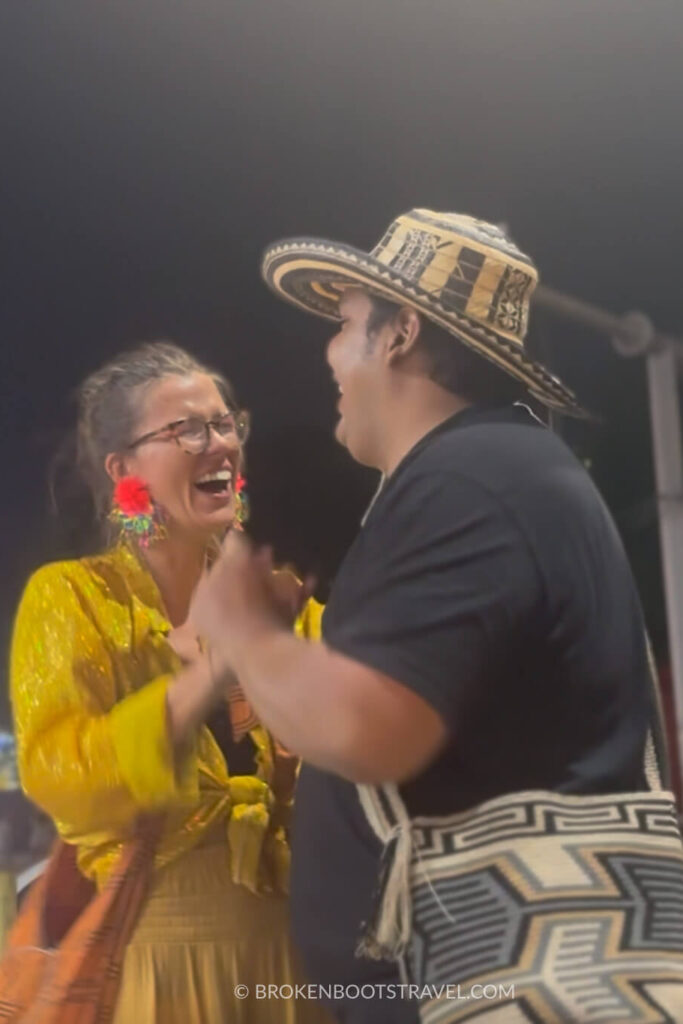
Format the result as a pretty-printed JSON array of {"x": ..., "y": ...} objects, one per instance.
[{"x": 446, "y": 591}]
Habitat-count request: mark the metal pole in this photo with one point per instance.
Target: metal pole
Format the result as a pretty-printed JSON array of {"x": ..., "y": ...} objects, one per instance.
[
  {"x": 665, "y": 419},
  {"x": 631, "y": 334},
  {"x": 577, "y": 310},
  {"x": 634, "y": 335}
]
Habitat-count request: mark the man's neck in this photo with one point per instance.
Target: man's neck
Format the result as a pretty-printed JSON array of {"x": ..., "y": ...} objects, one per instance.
[{"x": 413, "y": 417}]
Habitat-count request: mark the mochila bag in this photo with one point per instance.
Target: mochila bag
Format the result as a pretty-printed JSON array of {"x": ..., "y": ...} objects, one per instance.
[{"x": 535, "y": 906}]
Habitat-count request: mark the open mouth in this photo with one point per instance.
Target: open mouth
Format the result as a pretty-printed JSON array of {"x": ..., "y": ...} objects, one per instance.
[{"x": 217, "y": 483}]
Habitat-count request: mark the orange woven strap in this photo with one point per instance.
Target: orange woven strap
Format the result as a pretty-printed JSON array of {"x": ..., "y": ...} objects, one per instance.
[
  {"x": 73, "y": 978},
  {"x": 242, "y": 715}
]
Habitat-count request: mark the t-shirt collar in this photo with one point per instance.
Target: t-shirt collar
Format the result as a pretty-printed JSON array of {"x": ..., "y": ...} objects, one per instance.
[{"x": 517, "y": 412}]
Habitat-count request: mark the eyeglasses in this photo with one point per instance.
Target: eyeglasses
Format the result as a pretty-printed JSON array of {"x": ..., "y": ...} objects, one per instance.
[{"x": 193, "y": 435}]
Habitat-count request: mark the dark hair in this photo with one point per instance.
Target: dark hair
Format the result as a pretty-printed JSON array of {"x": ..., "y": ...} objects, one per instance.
[
  {"x": 108, "y": 405},
  {"x": 450, "y": 363}
]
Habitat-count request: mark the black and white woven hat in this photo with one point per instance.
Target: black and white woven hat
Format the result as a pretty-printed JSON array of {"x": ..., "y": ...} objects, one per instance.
[{"x": 464, "y": 274}]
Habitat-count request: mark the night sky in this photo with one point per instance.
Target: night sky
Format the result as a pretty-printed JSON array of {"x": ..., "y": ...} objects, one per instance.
[{"x": 150, "y": 150}]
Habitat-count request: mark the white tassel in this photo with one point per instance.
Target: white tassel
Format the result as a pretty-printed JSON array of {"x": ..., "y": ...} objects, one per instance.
[{"x": 389, "y": 935}]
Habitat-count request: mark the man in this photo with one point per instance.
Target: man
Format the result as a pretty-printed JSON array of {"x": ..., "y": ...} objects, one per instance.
[{"x": 484, "y": 635}]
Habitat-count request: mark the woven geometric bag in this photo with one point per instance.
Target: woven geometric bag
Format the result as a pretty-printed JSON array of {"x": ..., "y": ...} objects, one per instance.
[
  {"x": 64, "y": 955},
  {"x": 535, "y": 907}
]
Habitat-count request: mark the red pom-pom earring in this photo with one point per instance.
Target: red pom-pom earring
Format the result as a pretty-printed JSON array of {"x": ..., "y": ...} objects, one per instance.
[{"x": 135, "y": 512}]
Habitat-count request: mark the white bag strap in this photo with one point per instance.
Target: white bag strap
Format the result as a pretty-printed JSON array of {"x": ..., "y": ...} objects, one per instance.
[{"x": 657, "y": 762}]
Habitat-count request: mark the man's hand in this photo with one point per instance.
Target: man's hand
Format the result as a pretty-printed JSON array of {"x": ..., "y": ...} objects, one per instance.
[
  {"x": 336, "y": 713},
  {"x": 242, "y": 598}
]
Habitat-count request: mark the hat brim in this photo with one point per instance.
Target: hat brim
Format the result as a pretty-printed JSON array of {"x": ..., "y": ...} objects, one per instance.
[{"x": 312, "y": 273}]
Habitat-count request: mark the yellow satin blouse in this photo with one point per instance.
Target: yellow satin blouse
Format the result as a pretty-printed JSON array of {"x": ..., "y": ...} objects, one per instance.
[{"x": 90, "y": 666}]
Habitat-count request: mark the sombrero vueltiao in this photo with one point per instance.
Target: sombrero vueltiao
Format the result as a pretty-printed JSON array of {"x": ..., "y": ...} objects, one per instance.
[{"x": 464, "y": 274}]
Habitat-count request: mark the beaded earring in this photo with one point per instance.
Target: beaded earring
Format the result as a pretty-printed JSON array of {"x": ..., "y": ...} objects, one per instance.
[
  {"x": 135, "y": 512},
  {"x": 241, "y": 501}
]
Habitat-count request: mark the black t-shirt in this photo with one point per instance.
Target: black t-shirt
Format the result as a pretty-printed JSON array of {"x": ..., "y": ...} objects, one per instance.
[{"x": 489, "y": 578}]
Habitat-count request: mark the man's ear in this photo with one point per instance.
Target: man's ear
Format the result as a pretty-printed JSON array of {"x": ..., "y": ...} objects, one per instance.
[
  {"x": 406, "y": 325},
  {"x": 115, "y": 466}
]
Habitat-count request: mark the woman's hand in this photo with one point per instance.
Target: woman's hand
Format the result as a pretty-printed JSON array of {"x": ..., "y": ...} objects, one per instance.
[
  {"x": 185, "y": 642},
  {"x": 290, "y": 594},
  {"x": 191, "y": 697}
]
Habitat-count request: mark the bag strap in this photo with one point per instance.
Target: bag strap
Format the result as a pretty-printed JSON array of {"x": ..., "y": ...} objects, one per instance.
[
  {"x": 657, "y": 763},
  {"x": 386, "y": 935}
]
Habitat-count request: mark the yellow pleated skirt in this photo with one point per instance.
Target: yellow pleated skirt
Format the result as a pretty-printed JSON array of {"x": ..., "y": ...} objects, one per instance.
[{"x": 203, "y": 946}]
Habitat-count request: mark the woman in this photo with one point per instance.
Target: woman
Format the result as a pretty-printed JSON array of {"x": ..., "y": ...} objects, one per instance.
[{"x": 112, "y": 695}]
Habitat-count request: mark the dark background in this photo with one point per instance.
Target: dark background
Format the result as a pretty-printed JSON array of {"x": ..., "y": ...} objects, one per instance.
[{"x": 150, "y": 150}]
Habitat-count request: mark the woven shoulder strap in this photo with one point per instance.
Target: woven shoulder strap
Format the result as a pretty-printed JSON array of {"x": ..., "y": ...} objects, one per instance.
[{"x": 657, "y": 761}]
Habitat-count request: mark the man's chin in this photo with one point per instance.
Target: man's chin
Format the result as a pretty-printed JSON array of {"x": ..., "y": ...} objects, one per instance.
[
  {"x": 340, "y": 432},
  {"x": 342, "y": 437}
]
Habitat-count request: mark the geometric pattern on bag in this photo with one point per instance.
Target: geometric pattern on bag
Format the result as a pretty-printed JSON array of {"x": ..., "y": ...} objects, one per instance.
[{"x": 575, "y": 901}]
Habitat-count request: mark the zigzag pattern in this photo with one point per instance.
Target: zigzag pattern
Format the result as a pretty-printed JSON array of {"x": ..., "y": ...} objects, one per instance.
[
  {"x": 309, "y": 262},
  {"x": 504, "y": 821},
  {"x": 577, "y": 904}
]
